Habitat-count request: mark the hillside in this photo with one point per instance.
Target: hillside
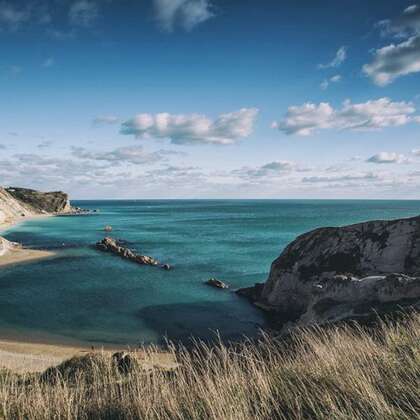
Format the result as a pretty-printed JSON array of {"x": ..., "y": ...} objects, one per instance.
[
  {"x": 338, "y": 373},
  {"x": 16, "y": 203}
]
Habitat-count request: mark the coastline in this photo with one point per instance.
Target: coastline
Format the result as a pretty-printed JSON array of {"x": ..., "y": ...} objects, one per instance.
[
  {"x": 30, "y": 357},
  {"x": 12, "y": 253}
]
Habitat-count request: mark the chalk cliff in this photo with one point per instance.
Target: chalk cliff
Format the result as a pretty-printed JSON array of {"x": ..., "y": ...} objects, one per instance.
[
  {"x": 348, "y": 272},
  {"x": 16, "y": 203}
]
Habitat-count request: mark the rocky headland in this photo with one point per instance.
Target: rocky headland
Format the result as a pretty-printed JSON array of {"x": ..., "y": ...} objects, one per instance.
[
  {"x": 340, "y": 273},
  {"x": 19, "y": 204}
]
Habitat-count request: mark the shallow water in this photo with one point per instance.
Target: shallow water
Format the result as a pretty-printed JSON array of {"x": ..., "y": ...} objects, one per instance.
[{"x": 88, "y": 296}]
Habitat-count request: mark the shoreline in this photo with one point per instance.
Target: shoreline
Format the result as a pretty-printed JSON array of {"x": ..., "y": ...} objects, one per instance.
[
  {"x": 13, "y": 253},
  {"x": 23, "y": 355},
  {"x": 26, "y": 352},
  {"x": 30, "y": 357},
  {"x": 22, "y": 255}
]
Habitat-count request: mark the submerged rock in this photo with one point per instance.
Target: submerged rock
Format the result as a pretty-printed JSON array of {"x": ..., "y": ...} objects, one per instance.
[
  {"x": 217, "y": 283},
  {"x": 114, "y": 246},
  {"x": 349, "y": 272}
]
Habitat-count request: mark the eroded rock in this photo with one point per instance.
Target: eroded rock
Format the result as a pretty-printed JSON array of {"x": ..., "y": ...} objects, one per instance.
[
  {"x": 348, "y": 272},
  {"x": 114, "y": 246},
  {"x": 217, "y": 283}
]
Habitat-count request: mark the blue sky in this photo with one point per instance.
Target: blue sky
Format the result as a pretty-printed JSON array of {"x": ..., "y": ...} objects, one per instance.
[{"x": 211, "y": 98}]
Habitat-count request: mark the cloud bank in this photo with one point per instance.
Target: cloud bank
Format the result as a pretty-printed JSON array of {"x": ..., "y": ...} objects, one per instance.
[
  {"x": 304, "y": 120},
  {"x": 83, "y": 13},
  {"x": 393, "y": 61},
  {"x": 194, "y": 128},
  {"x": 340, "y": 57},
  {"x": 186, "y": 14},
  {"x": 130, "y": 154},
  {"x": 387, "y": 157}
]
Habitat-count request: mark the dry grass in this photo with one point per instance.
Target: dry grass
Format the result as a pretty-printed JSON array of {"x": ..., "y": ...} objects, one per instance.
[{"x": 339, "y": 373}]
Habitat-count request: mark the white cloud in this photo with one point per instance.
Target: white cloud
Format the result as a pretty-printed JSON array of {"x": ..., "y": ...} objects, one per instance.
[
  {"x": 272, "y": 169},
  {"x": 12, "y": 72},
  {"x": 340, "y": 57},
  {"x": 193, "y": 129},
  {"x": 394, "y": 61},
  {"x": 11, "y": 16},
  {"x": 406, "y": 24},
  {"x": 371, "y": 115},
  {"x": 106, "y": 119},
  {"x": 49, "y": 62},
  {"x": 334, "y": 79},
  {"x": 83, "y": 13},
  {"x": 45, "y": 144},
  {"x": 130, "y": 154},
  {"x": 416, "y": 152},
  {"x": 184, "y": 13},
  {"x": 388, "y": 157},
  {"x": 369, "y": 176}
]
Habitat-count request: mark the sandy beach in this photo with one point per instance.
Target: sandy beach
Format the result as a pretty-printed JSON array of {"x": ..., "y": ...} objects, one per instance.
[
  {"x": 30, "y": 357},
  {"x": 16, "y": 256},
  {"x": 12, "y": 253},
  {"x": 21, "y": 357}
]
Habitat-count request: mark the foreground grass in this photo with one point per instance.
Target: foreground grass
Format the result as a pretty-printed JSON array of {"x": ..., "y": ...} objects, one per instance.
[{"x": 340, "y": 373}]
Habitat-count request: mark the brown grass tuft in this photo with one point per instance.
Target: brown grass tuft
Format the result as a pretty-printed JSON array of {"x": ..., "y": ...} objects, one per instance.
[{"x": 344, "y": 372}]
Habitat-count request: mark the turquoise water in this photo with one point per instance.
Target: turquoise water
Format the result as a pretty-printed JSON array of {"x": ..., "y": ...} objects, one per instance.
[{"x": 84, "y": 295}]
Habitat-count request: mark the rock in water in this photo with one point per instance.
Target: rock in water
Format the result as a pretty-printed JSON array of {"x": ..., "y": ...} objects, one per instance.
[
  {"x": 217, "y": 283},
  {"x": 112, "y": 245},
  {"x": 349, "y": 272}
]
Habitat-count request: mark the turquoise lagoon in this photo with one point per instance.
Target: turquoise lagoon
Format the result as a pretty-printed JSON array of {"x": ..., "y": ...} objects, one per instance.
[{"x": 82, "y": 295}]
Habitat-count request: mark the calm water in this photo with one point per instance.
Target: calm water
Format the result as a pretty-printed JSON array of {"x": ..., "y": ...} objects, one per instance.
[{"x": 84, "y": 295}]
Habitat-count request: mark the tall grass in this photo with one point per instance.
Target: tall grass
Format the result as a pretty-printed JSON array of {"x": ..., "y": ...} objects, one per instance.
[{"x": 343, "y": 372}]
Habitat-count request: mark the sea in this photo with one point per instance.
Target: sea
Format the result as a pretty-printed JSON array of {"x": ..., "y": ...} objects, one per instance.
[{"x": 84, "y": 296}]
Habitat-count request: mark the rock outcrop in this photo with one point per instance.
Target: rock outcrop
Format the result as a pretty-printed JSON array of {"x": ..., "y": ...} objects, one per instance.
[
  {"x": 17, "y": 203},
  {"x": 41, "y": 202},
  {"x": 338, "y": 273},
  {"x": 218, "y": 284},
  {"x": 115, "y": 247},
  {"x": 6, "y": 246}
]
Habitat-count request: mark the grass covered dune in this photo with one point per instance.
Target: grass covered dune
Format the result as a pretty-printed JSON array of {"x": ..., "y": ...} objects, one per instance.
[{"x": 341, "y": 372}]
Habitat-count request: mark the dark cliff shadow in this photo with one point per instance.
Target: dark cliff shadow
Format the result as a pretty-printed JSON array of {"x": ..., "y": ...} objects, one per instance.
[{"x": 205, "y": 321}]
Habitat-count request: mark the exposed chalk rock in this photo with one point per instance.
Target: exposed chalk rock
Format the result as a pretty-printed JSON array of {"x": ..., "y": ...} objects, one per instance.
[{"x": 349, "y": 272}]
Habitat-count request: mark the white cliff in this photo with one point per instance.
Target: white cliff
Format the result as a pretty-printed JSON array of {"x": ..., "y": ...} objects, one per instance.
[{"x": 338, "y": 273}]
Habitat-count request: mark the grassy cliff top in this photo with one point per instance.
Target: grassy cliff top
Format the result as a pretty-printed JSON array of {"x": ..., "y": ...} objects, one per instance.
[{"x": 345, "y": 372}]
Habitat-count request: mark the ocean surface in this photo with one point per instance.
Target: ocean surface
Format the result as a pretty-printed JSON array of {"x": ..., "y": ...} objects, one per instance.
[{"x": 82, "y": 295}]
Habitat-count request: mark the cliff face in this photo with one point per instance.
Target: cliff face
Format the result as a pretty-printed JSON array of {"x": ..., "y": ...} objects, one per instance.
[
  {"x": 331, "y": 274},
  {"x": 40, "y": 202},
  {"x": 16, "y": 203}
]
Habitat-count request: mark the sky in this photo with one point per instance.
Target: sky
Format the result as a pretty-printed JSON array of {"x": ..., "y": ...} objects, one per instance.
[{"x": 211, "y": 98}]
